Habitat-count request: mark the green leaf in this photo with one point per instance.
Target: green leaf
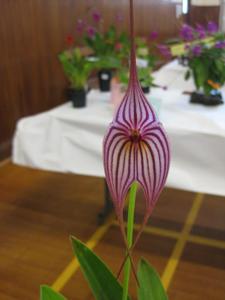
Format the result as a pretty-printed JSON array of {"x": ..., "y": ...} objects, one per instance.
[
  {"x": 48, "y": 293},
  {"x": 101, "y": 280},
  {"x": 150, "y": 285},
  {"x": 76, "y": 67}
]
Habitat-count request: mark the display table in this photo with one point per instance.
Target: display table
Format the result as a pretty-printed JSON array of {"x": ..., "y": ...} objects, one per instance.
[{"x": 66, "y": 139}]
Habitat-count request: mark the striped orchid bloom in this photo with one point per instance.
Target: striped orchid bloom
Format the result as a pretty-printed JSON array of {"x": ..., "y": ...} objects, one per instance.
[{"x": 135, "y": 147}]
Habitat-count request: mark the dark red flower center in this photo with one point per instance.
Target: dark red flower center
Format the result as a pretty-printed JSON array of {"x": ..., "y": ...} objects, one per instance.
[{"x": 135, "y": 136}]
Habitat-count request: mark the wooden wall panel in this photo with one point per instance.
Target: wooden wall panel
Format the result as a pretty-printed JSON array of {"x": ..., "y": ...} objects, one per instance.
[
  {"x": 201, "y": 15},
  {"x": 32, "y": 33}
]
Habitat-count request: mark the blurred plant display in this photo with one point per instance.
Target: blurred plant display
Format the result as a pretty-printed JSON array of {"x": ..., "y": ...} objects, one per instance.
[
  {"x": 206, "y": 57},
  {"x": 110, "y": 46},
  {"x": 204, "y": 50}
]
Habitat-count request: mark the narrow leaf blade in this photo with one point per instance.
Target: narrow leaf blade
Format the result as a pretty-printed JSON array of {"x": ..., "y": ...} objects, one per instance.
[
  {"x": 101, "y": 280},
  {"x": 150, "y": 287},
  {"x": 48, "y": 293}
]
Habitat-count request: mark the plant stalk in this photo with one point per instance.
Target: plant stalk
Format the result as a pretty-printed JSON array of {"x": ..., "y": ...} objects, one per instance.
[{"x": 130, "y": 229}]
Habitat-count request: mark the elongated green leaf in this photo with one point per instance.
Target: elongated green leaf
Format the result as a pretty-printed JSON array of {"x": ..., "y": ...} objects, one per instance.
[
  {"x": 101, "y": 280},
  {"x": 150, "y": 285},
  {"x": 48, "y": 293}
]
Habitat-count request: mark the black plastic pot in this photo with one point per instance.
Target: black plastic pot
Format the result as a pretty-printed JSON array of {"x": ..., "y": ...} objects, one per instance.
[
  {"x": 215, "y": 98},
  {"x": 78, "y": 97},
  {"x": 146, "y": 89},
  {"x": 183, "y": 60},
  {"x": 104, "y": 77}
]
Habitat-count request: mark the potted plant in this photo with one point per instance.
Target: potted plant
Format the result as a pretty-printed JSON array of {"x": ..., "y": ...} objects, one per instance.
[
  {"x": 77, "y": 69},
  {"x": 205, "y": 52},
  {"x": 106, "y": 44},
  {"x": 107, "y": 48},
  {"x": 145, "y": 62},
  {"x": 145, "y": 78},
  {"x": 207, "y": 66}
]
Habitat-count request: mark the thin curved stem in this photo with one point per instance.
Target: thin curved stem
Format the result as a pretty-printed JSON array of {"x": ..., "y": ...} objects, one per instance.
[
  {"x": 134, "y": 244},
  {"x": 122, "y": 228}
]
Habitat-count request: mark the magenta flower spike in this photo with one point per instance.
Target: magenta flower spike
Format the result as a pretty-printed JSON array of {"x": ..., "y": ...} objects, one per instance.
[{"x": 135, "y": 147}]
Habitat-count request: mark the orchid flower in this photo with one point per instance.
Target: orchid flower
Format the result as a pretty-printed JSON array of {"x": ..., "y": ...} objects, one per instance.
[
  {"x": 201, "y": 31},
  {"x": 212, "y": 27},
  {"x": 187, "y": 32},
  {"x": 119, "y": 17},
  {"x": 197, "y": 50},
  {"x": 96, "y": 15},
  {"x": 80, "y": 25},
  {"x": 153, "y": 35},
  {"x": 165, "y": 51},
  {"x": 91, "y": 31},
  {"x": 135, "y": 148}
]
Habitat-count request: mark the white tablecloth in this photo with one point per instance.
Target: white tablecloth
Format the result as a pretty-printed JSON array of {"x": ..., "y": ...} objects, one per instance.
[{"x": 70, "y": 140}]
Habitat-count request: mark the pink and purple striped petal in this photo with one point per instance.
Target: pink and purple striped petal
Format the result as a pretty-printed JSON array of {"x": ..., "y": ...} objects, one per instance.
[{"x": 135, "y": 147}]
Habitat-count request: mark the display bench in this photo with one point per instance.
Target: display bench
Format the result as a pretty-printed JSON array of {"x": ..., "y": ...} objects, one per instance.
[{"x": 66, "y": 139}]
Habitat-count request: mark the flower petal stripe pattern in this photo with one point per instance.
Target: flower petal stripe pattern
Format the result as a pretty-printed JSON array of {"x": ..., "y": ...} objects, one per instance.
[
  {"x": 135, "y": 146},
  {"x": 135, "y": 149}
]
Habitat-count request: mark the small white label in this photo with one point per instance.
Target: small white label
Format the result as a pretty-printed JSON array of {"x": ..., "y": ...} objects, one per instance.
[{"x": 104, "y": 76}]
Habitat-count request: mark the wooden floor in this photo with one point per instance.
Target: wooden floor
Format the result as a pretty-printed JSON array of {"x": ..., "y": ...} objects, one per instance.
[{"x": 184, "y": 240}]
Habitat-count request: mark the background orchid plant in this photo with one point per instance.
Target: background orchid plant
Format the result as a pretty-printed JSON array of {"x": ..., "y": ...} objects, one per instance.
[
  {"x": 204, "y": 52},
  {"x": 136, "y": 153},
  {"x": 206, "y": 57},
  {"x": 108, "y": 46},
  {"x": 77, "y": 67},
  {"x": 146, "y": 61}
]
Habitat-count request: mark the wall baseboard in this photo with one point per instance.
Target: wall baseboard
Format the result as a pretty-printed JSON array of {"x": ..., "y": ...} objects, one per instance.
[{"x": 5, "y": 149}]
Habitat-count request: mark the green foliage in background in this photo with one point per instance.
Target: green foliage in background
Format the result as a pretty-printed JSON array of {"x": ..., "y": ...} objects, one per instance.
[
  {"x": 76, "y": 67},
  {"x": 207, "y": 69},
  {"x": 109, "y": 47},
  {"x": 144, "y": 72}
]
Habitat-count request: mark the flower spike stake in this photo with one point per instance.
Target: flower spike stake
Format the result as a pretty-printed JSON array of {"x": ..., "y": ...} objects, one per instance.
[{"x": 135, "y": 148}]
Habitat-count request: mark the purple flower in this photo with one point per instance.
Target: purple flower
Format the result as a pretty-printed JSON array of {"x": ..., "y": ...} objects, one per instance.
[
  {"x": 212, "y": 27},
  {"x": 197, "y": 50},
  {"x": 153, "y": 35},
  {"x": 96, "y": 15},
  {"x": 220, "y": 45},
  {"x": 119, "y": 17},
  {"x": 135, "y": 149},
  {"x": 187, "y": 33},
  {"x": 80, "y": 25},
  {"x": 91, "y": 31},
  {"x": 201, "y": 31},
  {"x": 165, "y": 51}
]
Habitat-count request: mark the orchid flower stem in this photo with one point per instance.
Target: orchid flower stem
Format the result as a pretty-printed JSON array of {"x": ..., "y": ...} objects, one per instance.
[{"x": 130, "y": 229}]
